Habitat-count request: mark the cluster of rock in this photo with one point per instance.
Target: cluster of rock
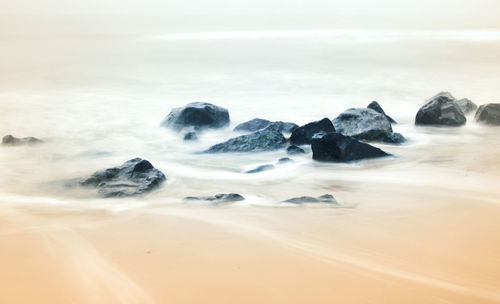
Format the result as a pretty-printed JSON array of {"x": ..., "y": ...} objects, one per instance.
[{"x": 9, "y": 140}]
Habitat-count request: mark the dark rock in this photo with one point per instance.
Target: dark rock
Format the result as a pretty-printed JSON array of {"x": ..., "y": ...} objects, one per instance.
[
  {"x": 9, "y": 140},
  {"x": 377, "y": 108},
  {"x": 489, "y": 114},
  {"x": 363, "y": 123},
  {"x": 135, "y": 177},
  {"x": 259, "y": 124},
  {"x": 441, "y": 94},
  {"x": 394, "y": 138},
  {"x": 304, "y": 134},
  {"x": 197, "y": 116},
  {"x": 293, "y": 150},
  {"x": 327, "y": 198},
  {"x": 335, "y": 147},
  {"x": 269, "y": 139},
  {"x": 218, "y": 198},
  {"x": 441, "y": 111},
  {"x": 285, "y": 160},
  {"x": 190, "y": 136},
  {"x": 466, "y": 105},
  {"x": 261, "y": 168}
]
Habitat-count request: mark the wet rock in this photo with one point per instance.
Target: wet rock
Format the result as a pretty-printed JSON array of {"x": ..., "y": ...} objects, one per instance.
[
  {"x": 197, "y": 116},
  {"x": 190, "y": 136},
  {"x": 441, "y": 111},
  {"x": 293, "y": 150},
  {"x": 489, "y": 114},
  {"x": 285, "y": 160},
  {"x": 261, "y": 168},
  {"x": 363, "y": 123},
  {"x": 135, "y": 177},
  {"x": 335, "y": 147},
  {"x": 466, "y": 105},
  {"x": 304, "y": 134},
  {"x": 218, "y": 198},
  {"x": 394, "y": 138},
  {"x": 441, "y": 94},
  {"x": 377, "y": 108},
  {"x": 9, "y": 140},
  {"x": 259, "y": 124},
  {"x": 327, "y": 198},
  {"x": 268, "y": 139}
]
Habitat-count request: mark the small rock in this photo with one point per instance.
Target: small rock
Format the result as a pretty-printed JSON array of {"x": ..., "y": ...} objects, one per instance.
[
  {"x": 327, "y": 198},
  {"x": 259, "y": 124},
  {"x": 489, "y": 114},
  {"x": 197, "y": 116},
  {"x": 466, "y": 105},
  {"x": 190, "y": 136},
  {"x": 441, "y": 111},
  {"x": 363, "y": 123},
  {"x": 293, "y": 150},
  {"x": 218, "y": 198},
  {"x": 304, "y": 134},
  {"x": 335, "y": 147},
  {"x": 261, "y": 168},
  {"x": 9, "y": 140},
  {"x": 285, "y": 160},
  {"x": 269, "y": 139},
  {"x": 377, "y": 108},
  {"x": 394, "y": 138}
]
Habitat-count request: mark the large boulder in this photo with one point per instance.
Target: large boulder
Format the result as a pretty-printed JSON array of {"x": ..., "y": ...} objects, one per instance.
[
  {"x": 9, "y": 140},
  {"x": 257, "y": 124},
  {"x": 441, "y": 111},
  {"x": 268, "y": 139},
  {"x": 196, "y": 116},
  {"x": 135, "y": 177},
  {"x": 304, "y": 134},
  {"x": 363, "y": 123},
  {"x": 466, "y": 105},
  {"x": 335, "y": 147},
  {"x": 377, "y": 108},
  {"x": 489, "y": 114}
]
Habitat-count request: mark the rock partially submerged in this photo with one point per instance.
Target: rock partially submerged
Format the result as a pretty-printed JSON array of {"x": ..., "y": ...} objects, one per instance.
[
  {"x": 466, "y": 105},
  {"x": 261, "y": 168},
  {"x": 363, "y": 123},
  {"x": 441, "y": 111},
  {"x": 303, "y": 135},
  {"x": 135, "y": 177},
  {"x": 394, "y": 138},
  {"x": 218, "y": 198},
  {"x": 335, "y": 147},
  {"x": 190, "y": 136},
  {"x": 197, "y": 116},
  {"x": 285, "y": 160},
  {"x": 293, "y": 150},
  {"x": 377, "y": 108},
  {"x": 489, "y": 114},
  {"x": 327, "y": 198},
  {"x": 268, "y": 139},
  {"x": 9, "y": 140},
  {"x": 257, "y": 124}
]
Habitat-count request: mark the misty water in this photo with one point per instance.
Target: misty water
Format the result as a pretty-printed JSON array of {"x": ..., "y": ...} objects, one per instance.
[{"x": 97, "y": 101}]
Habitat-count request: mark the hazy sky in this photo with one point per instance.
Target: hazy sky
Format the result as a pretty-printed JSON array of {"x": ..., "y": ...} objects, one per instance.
[{"x": 465, "y": 8}]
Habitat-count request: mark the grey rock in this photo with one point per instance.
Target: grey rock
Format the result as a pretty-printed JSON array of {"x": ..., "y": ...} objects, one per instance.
[
  {"x": 261, "y": 168},
  {"x": 294, "y": 150},
  {"x": 190, "y": 136},
  {"x": 335, "y": 147},
  {"x": 377, "y": 108},
  {"x": 489, "y": 114},
  {"x": 259, "y": 124},
  {"x": 441, "y": 111},
  {"x": 327, "y": 198},
  {"x": 394, "y": 138},
  {"x": 135, "y": 177},
  {"x": 218, "y": 198},
  {"x": 268, "y": 139},
  {"x": 9, "y": 140},
  {"x": 466, "y": 105},
  {"x": 363, "y": 123},
  {"x": 304, "y": 134},
  {"x": 197, "y": 116},
  {"x": 285, "y": 160}
]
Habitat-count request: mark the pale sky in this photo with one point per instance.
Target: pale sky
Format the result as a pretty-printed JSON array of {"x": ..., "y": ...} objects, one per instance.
[{"x": 461, "y": 8}]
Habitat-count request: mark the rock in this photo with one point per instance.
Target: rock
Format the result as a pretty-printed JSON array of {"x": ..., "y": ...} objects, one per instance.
[
  {"x": 489, "y": 114},
  {"x": 135, "y": 177},
  {"x": 9, "y": 140},
  {"x": 394, "y": 138},
  {"x": 441, "y": 111},
  {"x": 327, "y": 198},
  {"x": 377, "y": 108},
  {"x": 190, "y": 136},
  {"x": 261, "y": 168},
  {"x": 293, "y": 150},
  {"x": 268, "y": 139},
  {"x": 304, "y": 134},
  {"x": 363, "y": 123},
  {"x": 335, "y": 147},
  {"x": 218, "y": 198},
  {"x": 441, "y": 94},
  {"x": 197, "y": 116},
  {"x": 259, "y": 124},
  {"x": 466, "y": 105},
  {"x": 285, "y": 160}
]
